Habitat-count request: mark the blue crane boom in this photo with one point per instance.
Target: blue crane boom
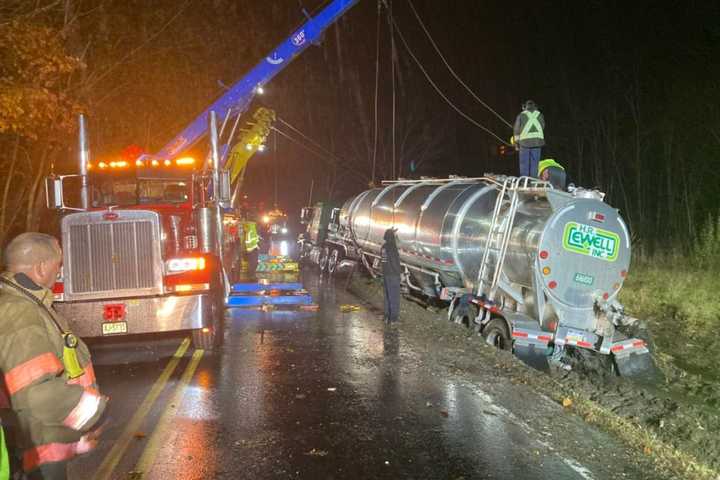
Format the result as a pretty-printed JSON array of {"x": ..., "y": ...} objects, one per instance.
[{"x": 236, "y": 100}]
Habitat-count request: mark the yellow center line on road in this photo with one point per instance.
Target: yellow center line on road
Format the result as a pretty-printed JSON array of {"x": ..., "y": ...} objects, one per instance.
[
  {"x": 121, "y": 445},
  {"x": 147, "y": 459}
]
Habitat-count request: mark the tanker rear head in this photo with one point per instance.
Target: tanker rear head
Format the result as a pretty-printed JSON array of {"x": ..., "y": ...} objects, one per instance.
[{"x": 582, "y": 258}]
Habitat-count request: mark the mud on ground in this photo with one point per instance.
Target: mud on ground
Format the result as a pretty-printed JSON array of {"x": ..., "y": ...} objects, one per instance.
[{"x": 672, "y": 431}]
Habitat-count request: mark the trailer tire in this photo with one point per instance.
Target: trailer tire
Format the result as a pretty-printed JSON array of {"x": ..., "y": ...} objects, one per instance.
[
  {"x": 497, "y": 335},
  {"x": 333, "y": 261},
  {"x": 465, "y": 315}
]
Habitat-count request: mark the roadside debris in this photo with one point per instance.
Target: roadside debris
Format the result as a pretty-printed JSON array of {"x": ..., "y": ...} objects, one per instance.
[{"x": 317, "y": 453}]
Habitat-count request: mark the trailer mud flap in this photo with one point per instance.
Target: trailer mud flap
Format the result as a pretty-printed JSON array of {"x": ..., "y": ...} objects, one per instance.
[
  {"x": 638, "y": 366},
  {"x": 534, "y": 355}
]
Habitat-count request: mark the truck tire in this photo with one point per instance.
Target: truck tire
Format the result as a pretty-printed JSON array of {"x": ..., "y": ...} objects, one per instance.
[
  {"x": 323, "y": 259},
  {"x": 333, "y": 261},
  {"x": 208, "y": 338},
  {"x": 496, "y": 334}
]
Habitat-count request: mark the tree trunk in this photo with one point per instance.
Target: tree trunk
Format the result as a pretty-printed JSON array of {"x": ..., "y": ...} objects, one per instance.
[
  {"x": 31, "y": 214},
  {"x": 6, "y": 191}
]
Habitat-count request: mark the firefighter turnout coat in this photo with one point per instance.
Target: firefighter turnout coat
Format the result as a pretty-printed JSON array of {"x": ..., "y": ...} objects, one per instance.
[{"x": 51, "y": 399}]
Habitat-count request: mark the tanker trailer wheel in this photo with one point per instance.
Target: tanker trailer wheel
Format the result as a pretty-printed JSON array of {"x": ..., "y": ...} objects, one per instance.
[
  {"x": 464, "y": 314},
  {"x": 323, "y": 260},
  {"x": 333, "y": 261},
  {"x": 496, "y": 334}
]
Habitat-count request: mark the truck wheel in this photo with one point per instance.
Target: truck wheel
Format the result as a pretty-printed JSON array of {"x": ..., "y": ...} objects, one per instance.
[
  {"x": 496, "y": 334},
  {"x": 323, "y": 260},
  {"x": 204, "y": 338},
  {"x": 333, "y": 261},
  {"x": 209, "y": 337}
]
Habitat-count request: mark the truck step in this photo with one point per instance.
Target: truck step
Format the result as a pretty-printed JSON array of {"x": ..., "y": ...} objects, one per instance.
[
  {"x": 261, "y": 300},
  {"x": 259, "y": 287}
]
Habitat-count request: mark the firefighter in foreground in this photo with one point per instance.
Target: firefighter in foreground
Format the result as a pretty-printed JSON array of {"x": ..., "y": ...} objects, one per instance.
[{"x": 54, "y": 404}]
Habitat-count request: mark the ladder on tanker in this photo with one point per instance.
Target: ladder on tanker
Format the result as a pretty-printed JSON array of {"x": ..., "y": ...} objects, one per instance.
[{"x": 499, "y": 233}]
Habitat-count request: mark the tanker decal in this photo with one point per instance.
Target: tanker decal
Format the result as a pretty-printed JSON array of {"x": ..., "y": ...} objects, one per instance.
[
  {"x": 591, "y": 241},
  {"x": 584, "y": 278}
]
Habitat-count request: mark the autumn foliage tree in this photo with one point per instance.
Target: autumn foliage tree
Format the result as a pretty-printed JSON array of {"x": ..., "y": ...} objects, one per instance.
[{"x": 36, "y": 114}]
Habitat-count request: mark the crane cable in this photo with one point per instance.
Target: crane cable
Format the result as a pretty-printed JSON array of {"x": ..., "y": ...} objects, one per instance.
[
  {"x": 440, "y": 92},
  {"x": 452, "y": 70},
  {"x": 319, "y": 151}
]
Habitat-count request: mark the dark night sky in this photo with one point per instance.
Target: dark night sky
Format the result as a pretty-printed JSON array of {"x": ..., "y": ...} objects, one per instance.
[{"x": 594, "y": 68}]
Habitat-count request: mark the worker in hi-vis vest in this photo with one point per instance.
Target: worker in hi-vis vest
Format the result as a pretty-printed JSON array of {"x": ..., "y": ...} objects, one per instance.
[
  {"x": 252, "y": 245},
  {"x": 552, "y": 172},
  {"x": 529, "y": 138}
]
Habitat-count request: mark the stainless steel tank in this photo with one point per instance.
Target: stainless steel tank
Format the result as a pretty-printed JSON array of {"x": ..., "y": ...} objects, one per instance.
[{"x": 576, "y": 248}]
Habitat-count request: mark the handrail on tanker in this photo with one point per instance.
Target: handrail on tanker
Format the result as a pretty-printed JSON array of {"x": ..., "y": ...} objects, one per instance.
[{"x": 522, "y": 184}]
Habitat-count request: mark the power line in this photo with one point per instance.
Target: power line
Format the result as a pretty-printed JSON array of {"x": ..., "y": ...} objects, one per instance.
[
  {"x": 393, "y": 54},
  {"x": 308, "y": 139},
  {"x": 377, "y": 89},
  {"x": 452, "y": 71},
  {"x": 327, "y": 157},
  {"x": 440, "y": 92}
]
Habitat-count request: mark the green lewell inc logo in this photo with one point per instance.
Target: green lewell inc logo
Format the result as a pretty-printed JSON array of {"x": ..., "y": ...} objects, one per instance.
[{"x": 591, "y": 241}]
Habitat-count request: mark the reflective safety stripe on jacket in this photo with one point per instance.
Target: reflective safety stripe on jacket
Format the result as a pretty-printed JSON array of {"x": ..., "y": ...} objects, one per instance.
[
  {"x": 532, "y": 128},
  {"x": 51, "y": 412},
  {"x": 4, "y": 461},
  {"x": 252, "y": 240}
]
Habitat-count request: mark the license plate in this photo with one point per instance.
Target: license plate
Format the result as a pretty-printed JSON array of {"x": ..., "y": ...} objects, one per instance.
[
  {"x": 113, "y": 328},
  {"x": 575, "y": 336}
]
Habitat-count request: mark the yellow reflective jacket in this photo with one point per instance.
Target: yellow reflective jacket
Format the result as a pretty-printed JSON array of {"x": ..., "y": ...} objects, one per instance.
[
  {"x": 48, "y": 413},
  {"x": 252, "y": 239}
]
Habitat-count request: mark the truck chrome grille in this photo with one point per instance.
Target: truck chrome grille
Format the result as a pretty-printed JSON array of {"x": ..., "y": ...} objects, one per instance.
[{"x": 111, "y": 256}]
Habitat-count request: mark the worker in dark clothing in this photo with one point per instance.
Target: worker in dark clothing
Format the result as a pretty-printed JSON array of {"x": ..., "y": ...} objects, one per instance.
[
  {"x": 390, "y": 259},
  {"x": 529, "y": 137},
  {"x": 551, "y": 171}
]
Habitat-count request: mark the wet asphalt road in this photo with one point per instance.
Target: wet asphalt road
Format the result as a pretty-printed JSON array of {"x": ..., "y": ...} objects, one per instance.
[{"x": 320, "y": 395}]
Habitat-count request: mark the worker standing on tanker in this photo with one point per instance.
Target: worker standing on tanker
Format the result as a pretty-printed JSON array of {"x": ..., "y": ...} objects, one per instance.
[
  {"x": 390, "y": 259},
  {"x": 529, "y": 137},
  {"x": 54, "y": 405}
]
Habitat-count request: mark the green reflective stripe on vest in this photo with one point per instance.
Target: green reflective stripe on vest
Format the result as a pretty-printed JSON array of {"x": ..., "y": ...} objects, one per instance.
[
  {"x": 4, "y": 462},
  {"x": 532, "y": 128},
  {"x": 251, "y": 237}
]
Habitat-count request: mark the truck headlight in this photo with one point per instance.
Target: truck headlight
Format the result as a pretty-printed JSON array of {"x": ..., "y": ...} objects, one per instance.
[
  {"x": 284, "y": 230},
  {"x": 177, "y": 265}
]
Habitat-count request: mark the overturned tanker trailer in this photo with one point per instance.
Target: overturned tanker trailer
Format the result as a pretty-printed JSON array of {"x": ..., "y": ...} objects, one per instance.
[{"x": 529, "y": 267}]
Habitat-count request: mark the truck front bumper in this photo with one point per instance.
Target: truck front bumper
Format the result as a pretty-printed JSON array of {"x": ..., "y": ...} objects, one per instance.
[{"x": 142, "y": 315}]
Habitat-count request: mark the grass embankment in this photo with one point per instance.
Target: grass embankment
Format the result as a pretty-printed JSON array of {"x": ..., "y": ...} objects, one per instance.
[{"x": 680, "y": 301}]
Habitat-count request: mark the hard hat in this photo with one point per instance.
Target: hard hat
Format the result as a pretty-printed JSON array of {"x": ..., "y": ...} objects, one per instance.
[
  {"x": 528, "y": 104},
  {"x": 547, "y": 163}
]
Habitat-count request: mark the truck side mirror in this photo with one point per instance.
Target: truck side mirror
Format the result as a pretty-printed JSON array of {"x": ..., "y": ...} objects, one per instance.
[
  {"x": 225, "y": 191},
  {"x": 53, "y": 193},
  {"x": 305, "y": 215}
]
